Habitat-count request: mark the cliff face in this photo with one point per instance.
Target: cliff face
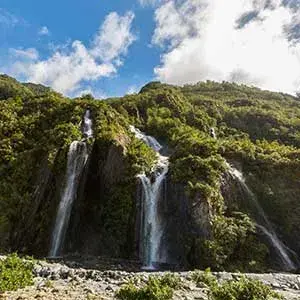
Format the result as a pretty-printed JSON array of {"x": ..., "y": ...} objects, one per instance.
[
  {"x": 103, "y": 219},
  {"x": 187, "y": 219},
  {"x": 31, "y": 233},
  {"x": 278, "y": 190}
]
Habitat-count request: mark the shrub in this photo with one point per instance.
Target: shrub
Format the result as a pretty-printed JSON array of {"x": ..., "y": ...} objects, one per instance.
[
  {"x": 128, "y": 292},
  {"x": 15, "y": 273},
  {"x": 205, "y": 277},
  {"x": 155, "y": 289},
  {"x": 243, "y": 289},
  {"x": 171, "y": 280}
]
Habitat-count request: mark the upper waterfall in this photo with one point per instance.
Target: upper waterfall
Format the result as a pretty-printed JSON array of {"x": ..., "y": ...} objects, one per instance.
[
  {"x": 87, "y": 124},
  {"x": 263, "y": 222},
  {"x": 153, "y": 192},
  {"x": 147, "y": 139}
]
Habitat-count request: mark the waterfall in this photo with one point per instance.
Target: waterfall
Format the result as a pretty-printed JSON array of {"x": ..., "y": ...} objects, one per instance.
[
  {"x": 77, "y": 157},
  {"x": 153, "y": 192},
  {"x": 87, "y": 124},
  {"x": 212, "y": 133},
  {"x": 76, "y": 161},
  {"x": 263, "y": 222},
  {"x": 147, "y": 139}
]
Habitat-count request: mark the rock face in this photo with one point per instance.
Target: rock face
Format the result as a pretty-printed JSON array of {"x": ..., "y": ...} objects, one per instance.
[
  {"x": 278, "y": 189},
  {"x": 187, "y": 220},
  {"x": 268, "y": 189},
  {"x": 94, "y": 229},
  {"x": 58, "y": 281},
  {"x": 176, "y": 213},
  {"x": 32, "y": 233}
]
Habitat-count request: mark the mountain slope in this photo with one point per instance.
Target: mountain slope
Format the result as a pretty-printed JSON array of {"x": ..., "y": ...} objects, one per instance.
[{"x": 209, "y": 221}]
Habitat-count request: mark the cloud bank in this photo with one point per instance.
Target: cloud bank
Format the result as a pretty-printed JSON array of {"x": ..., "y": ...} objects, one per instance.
[
  {"x": 68, "y": 67},
  {"x": 247, "y": 41}
]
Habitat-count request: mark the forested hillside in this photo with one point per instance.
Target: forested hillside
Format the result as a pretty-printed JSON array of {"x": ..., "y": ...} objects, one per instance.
[{"x": 234, "y": 151}]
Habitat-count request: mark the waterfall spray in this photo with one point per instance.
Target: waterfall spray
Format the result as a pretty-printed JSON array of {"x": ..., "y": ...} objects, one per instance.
[{"x": 153, "y": 192}]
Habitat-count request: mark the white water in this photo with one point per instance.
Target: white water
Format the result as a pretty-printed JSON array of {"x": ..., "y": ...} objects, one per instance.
[
  {"x": 212, "y": 133},
  {"x": 87, "y": 124},
  {"x": 267, "y": 227},
  {"x": 147, "y": 139},
  {"x": 77, "y": 158},
  {"x": 153, "y": 225}
]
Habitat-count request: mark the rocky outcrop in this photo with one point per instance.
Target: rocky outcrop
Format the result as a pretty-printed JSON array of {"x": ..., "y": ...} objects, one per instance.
[{"x": 186, "y": 220}]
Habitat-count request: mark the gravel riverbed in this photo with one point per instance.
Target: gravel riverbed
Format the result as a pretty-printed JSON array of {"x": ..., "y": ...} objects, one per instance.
[{"x": 62, "y": 281}]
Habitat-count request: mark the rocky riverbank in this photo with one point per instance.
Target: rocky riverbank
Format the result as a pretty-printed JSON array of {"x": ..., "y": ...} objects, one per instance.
[{"x": 59, "y": 281}]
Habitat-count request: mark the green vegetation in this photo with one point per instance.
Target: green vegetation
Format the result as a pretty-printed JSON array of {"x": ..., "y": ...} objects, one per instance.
[
  {"x": 244, "y": 289},
  {"x": 15, "y": 273},
  {"x": 240, "y": 289},
  {"x": 156, "y": 288},
  {"x": 204, "y": 278},
  {"x": 234, "y": 246},
  {"x": 161, "y": 288},
  {"x": 259, "y": 131}
]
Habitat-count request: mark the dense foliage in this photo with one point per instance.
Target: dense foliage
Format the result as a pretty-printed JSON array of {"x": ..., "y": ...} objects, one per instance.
[{"x": 257, "y": 131}]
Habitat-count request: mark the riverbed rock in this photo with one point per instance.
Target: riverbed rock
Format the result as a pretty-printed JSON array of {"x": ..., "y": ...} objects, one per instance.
[{"x": 59, "y": 281}]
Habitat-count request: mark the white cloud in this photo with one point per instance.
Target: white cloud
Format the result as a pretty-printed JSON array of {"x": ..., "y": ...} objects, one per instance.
[
  {"x": 30, "y": 53},
  {"x": 64, "y": 71},
  {"x": 96, "y": 93},
  {"x": 114, "y": 37},
  {"x": 68, "y": 67},
  {"x": 133, "y": 89},
  {"x": 44, "y": 31},
  {"x": 202, "y": 40}
]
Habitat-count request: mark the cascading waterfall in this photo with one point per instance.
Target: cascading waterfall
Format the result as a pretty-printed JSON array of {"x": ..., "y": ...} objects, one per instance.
[
  {"x": 263, "y": 222},
  {"x": 87, "y": 124},
  {"x": 77, "y": 158},
  {"x": 153, "y": 190},
  {"x": 147, "y": 139}
]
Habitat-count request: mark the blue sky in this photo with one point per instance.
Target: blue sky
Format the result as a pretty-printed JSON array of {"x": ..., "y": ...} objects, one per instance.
[
  {"x": 69, "y": 20},
  {"x": 114, "y": 47}
]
